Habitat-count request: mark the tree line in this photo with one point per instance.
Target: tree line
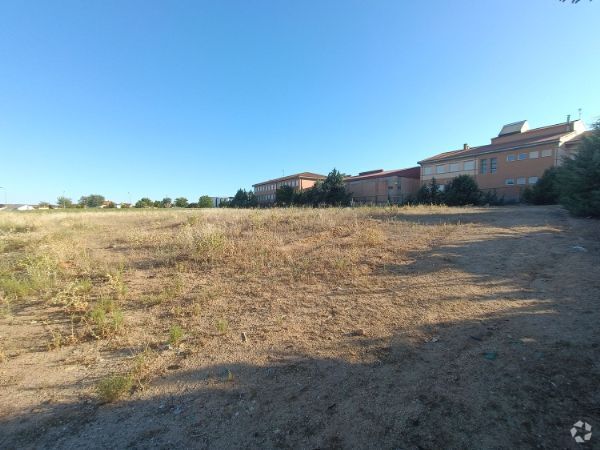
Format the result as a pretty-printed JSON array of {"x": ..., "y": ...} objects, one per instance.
[
  {"x": 575, "y": 185},
  {"x": 97, "y": 201},
  {"x": 329, "y": 192}
]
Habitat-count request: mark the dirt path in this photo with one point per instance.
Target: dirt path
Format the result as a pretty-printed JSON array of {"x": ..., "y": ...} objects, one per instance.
[{"x": 487, "y": 338}]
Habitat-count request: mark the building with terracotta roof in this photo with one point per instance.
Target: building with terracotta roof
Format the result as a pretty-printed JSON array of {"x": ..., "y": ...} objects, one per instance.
[
  {"x": 265, "y": 190},
  {"x": 516, "y": 158},
  {"x": 379, "y": 187}
]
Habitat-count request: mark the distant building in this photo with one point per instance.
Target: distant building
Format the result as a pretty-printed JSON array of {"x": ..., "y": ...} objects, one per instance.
[
  {"x": 265, "y": 191},
  {"x": 380, "y": 187},
  {"x": 218, "y": 200},
  {"x": 17, "y": 207},
  {"x": 516, "y": 158}
]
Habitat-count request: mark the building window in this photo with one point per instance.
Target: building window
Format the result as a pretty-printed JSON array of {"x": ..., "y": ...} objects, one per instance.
[
  {"x": 440, "y": 169},
  {"x": 521, "y": 180},
  {"x": 534, "y": 155},
  {"x": 532, "y": 180},
  {"x": 483, "y": 166},
  {"x": 442, "y": 187},
  {"x": 469, "y": 165},
  {"x": 454, "y": 167},
  {"x": 522, "y": 156},
  {"x": 546, "y": 153},
  {"x": 428, "y": 170},
  {"x": 510, "y": 157},
  {"x": 509, "y": 181},
  {"x": 493, "y": 164}
]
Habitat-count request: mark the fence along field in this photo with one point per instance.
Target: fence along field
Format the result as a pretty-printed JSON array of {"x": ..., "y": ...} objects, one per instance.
[{"x": 288, "y": 327}]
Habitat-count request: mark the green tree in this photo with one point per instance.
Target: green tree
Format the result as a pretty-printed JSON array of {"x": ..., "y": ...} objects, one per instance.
[
  {"x": 430, "y": 194},
  {"x": 330, "y": 191},
  {"x": 64, "y": 202},
  {"x": 92, "y": 201},
  {"x": 333, "y": 190},
  {"x": 284, "y": 196},
  {"x": 243, "y": 199},
  {"x": 181, "y": 202},
  {"x": 579, "y": 177},
  {"x": 462, "y": 190},
  {"x": 144, "y": 202},
  {"x": 205, "y": 202},
  {"x": 166, "y": 202},
  {"x": 545, "y": 191}
]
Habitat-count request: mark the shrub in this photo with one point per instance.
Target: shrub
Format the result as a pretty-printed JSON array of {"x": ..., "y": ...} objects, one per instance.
[
  {"x": 106, "y": 319},
  {"x": 222, "y": 326},
  {"x": 111, "y": 388},
  {"x": 462, "y": 190},
  {"x": 545, "y": 191},
  {"x": 175, "y": 335},
  {"x": 579, "y": 178}
]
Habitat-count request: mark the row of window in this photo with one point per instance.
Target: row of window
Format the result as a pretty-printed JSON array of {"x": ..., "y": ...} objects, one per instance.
[
  {"x": 531, "y": 155},
  {"x": 453, "y": 167},
  {"x": 485, "y": 165},
  {"x": 520, "y": 180},
  {"x": 272, "y": 187},
  {"x": 264, "y": 198}
]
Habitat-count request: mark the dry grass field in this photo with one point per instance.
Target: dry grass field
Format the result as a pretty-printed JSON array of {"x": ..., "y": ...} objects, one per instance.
[{"x": 421, "y": 327}]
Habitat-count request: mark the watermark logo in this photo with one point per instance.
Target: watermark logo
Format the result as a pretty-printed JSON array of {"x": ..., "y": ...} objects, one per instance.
[{"x": 581, "y": 432}]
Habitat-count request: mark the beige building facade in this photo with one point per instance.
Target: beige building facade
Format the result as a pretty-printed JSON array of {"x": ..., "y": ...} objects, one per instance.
[
  {"x": 266, "y": 190},
  {"x": 515, "y": 159},
  {"x": 380, "y": 187}
]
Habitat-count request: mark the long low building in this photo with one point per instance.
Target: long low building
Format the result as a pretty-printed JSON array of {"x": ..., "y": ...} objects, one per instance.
[
  {"x": 514, "y": 159},
  {"x": 379, "y": 187},
  {"x": 266, "y": 190}
]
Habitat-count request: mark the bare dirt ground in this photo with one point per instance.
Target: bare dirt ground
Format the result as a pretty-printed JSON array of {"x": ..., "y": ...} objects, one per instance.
[{"x": 413, "y": 328}]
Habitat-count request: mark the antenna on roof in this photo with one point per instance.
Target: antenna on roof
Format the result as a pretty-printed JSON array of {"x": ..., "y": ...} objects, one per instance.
[
  {"x": 579, "y": 110},
  {"x": 568, "y": 118}
]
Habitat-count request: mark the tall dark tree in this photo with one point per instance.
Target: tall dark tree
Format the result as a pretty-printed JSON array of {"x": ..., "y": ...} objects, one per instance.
[
  {"x": 545, "y": 191},
  {"x": 243, "y": 199},
  {"x": 284, "y": 196},
  {"x": 579, "y": 177}
]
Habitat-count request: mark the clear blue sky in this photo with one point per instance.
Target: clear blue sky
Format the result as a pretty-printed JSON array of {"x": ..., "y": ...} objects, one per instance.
[{"x": 186, "y": 98}]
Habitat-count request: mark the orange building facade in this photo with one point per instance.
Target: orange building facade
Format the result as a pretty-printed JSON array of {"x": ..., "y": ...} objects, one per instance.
[
  {"x": 515, "y": 159},
  {"x": 265, "y": 191},
  {"x": 380, "y": 187}
]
